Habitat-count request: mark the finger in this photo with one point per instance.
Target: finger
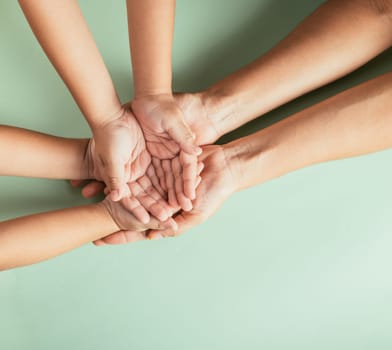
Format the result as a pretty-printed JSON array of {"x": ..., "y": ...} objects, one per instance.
[
  {"x": 133, "y": 205},
  {"x": 157, "y": 164},
  {"x": 76, "y": 183},
  {"x": 189, "y": 174},
  {"x": 155, "y": 181},
  {"x": 166, "y": 165},
  {"x": 200, "y": 167},
  {"x": 148, "y": 202},
  {"x": 92, "y": 189},
  {"x": 182, "y": 199},
  {"x": 139, "y": 166},
  {"x": 115, "y": 172},
  {"x": 180, "y": 132},
  {"x": 149, "y": 189},
  {"x": 198, "y": 181},
  {"x": 121, "y": 237}
]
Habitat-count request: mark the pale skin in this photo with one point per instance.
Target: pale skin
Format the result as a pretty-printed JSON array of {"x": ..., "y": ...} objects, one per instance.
[
  {"x": 314, "y": 54},
  {"x": 151, "y": 25},
  {"x": 119, "y": 140},
  {"x": 38, "y": 237}
]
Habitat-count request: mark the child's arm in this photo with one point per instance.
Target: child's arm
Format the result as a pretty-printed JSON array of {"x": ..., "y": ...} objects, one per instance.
[
  {"x": 31, "y": 239},
  {"x": 65, "y": 37},
  {"x": 33, "y": 154},
  {"x": 151, "y": 25}
]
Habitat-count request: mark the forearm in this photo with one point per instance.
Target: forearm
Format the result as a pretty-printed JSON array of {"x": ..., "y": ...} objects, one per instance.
[
  {"x": 64, "y": 36},
  {"x": 28, "y": 240},
  {"x": 336, "y": 39},
  {"x": 355, "y": 122},
  {"x": 29, "y": 153},
  {"x": 151, "y": 25}
]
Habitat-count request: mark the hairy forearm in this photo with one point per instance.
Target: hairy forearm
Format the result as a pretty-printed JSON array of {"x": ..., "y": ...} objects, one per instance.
[
  {"x": 28, "y": 240},
  {"x": 355, "y": 122},
  {"x": 336, "y": 39},
  {"x": 64, "y": 36},
  {"x": 29, "y": 153},
  {"x": 151, "y": 25}
]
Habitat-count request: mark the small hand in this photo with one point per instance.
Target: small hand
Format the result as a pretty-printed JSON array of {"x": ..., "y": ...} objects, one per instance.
[
  {"x": 167, "y": 135},
  {"x": 217, "y": 184},
  {"x": 164, "y": 127},
  {"x": 130, "y": 229},
  {"x": 199, "y": 116},
  {"x": 118, "y": 153}
]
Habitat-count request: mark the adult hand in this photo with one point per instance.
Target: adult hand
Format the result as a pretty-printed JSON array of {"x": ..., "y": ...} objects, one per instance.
[
  {"x": 118, "y": 153},
  {"x": 217, "y": 184}
]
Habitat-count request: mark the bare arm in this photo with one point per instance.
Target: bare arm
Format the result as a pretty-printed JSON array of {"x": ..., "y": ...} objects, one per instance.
[
  {"x": 339, "y": 37},
  {"x": 38, "y": 237},
  {"x": 33, "y": 154},
  {"x": 66, "y": 39},
  {"x": 355, "y": 122},
  {"x": 151, "y": 25}
]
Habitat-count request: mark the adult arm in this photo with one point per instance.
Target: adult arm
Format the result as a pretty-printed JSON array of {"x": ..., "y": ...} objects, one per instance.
[
  {"x": 339, "y": 37},
  {"x": 355, "y": 122}
]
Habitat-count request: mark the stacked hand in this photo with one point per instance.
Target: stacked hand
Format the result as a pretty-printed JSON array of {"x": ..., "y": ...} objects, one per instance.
[{"x": 145, "y": 162}]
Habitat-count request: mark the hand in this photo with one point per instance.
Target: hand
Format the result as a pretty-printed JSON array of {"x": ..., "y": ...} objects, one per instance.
[
  {"x": 118, "y": 153},
  {"x": 200, "y": 117},
  {"x": 168, "y": 136},
  {"x": 130, "y": 229},
  {"x": 217, "y": 184}
]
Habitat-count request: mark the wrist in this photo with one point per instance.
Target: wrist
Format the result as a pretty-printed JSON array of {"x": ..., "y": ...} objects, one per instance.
[
  {"x": 221, "y": 108},
  {"x": 253, "y": 160},
  {"x": 106, "y": 209},
  {"x": 102, "y": 120},
  {"x": 86, "y": 170}
]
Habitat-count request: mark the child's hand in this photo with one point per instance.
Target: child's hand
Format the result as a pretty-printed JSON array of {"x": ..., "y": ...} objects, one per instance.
[
  {"x": 167, "y": 134},
  {"x": 128, "y": 222},
  {"x": 118, "y": 154}
]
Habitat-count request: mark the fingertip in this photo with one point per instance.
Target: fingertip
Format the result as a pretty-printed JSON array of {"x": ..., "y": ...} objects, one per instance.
[
  {"x": 114, "y": 195},
  {"x": 99, "y": 243}
]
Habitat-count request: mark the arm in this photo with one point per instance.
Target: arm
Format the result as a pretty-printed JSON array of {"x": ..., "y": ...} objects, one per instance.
[
  {"x": 32, "y": 154},
  {"x": 63, "y": 34},
  {"x": 38, "y": 237},
  {"x": 151, "y": 25},
  {"x": 355, "y": 122},
  {"x": 31, "y": 239},
  {"x": 339, "y": 37}
]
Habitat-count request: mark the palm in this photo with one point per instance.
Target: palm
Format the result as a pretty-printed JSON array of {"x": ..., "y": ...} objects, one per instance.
[
  {"x": 196, "y": 116},
  {"x": 118, "y": 151},
  {"x": 153, "y": 117},
  {"x": 216, "y": 186}
]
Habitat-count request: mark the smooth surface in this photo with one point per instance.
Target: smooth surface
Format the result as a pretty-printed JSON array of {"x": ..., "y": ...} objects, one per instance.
[{"x": 302, "y": 262}]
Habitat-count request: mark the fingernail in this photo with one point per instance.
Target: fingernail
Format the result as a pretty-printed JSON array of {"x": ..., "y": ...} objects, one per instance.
[
  {"x": 156, "y": 236},
  {"x": 198, "y": 150}
]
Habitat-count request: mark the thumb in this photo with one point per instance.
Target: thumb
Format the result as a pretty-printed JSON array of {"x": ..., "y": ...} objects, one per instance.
[
  {"x": 180, "y": 132},
  {"x": 115, "y": 173},
  {"x": 185, "y": 221}
]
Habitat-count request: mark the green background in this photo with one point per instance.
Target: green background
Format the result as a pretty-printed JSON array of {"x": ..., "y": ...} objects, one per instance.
[{"x": 302, "y": 262}]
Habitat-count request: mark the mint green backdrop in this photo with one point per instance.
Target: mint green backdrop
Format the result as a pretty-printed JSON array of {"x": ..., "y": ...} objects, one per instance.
[{"x": 302, "y": 262}]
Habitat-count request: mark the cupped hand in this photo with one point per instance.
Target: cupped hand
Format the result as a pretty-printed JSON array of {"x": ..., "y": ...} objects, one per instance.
[
  {"x": 167, "y": 135},
  {"x": 199, "y": 117},
  {"x": 217, "y": 184},
  {"x": 118, "y": 153}
]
